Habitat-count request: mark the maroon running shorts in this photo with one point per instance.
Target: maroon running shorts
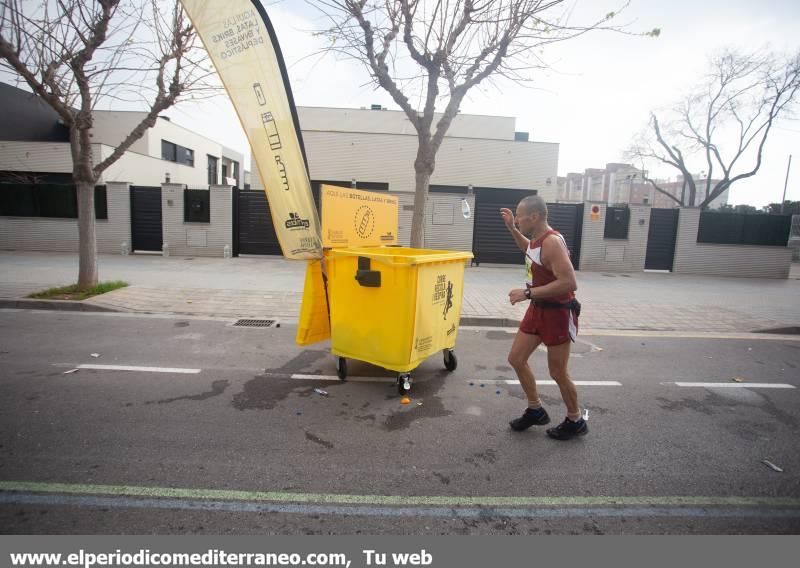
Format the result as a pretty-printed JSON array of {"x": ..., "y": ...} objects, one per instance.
[{"x": 554, "y": 326}]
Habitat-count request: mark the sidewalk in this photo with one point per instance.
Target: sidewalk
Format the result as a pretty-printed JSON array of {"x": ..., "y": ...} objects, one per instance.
[{"x": 270, "y": 287}]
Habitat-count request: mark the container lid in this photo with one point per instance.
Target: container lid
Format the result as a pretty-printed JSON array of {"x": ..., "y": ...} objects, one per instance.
[
  {"x": 402, "y": 255},
  {"x": 354, "y": 218}
]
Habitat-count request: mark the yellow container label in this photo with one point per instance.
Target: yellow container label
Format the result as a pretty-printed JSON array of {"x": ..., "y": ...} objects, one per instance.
[
  {"x": 353, "y": 218},
  {"x": 438, "y": 308}
]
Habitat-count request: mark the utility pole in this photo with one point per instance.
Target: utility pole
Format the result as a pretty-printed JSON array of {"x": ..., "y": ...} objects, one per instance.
[{"x": 788, "y": 167}]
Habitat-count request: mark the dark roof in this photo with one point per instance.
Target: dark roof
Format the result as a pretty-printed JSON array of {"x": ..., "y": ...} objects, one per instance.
[{"x": 26, "y": 118}]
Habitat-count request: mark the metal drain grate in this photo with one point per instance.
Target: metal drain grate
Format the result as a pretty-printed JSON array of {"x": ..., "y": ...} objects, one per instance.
[{"x": 254, "y": 323}]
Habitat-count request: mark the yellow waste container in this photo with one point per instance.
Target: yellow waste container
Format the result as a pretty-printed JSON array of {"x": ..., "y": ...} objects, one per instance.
[{"x": 394, "y": 306}]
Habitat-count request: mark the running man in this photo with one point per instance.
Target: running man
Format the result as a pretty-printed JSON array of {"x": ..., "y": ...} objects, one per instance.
[{"x": 552, "y": 317}]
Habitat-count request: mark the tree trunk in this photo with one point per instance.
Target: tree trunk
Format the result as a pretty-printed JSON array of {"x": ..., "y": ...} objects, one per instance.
[
  {"x": 84, "y": 177},
  {"x": 423, "y": 168},
  {"x": 87, "y": 260}
]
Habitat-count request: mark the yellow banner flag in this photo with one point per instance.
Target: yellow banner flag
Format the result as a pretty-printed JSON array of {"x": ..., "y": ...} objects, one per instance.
[
  {"x": 242, "y": 44},
  {"x": 353, "y": 218}
]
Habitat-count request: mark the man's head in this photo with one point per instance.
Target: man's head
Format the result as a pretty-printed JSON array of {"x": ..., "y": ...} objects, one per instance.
[{"x": 531, "y": 212}]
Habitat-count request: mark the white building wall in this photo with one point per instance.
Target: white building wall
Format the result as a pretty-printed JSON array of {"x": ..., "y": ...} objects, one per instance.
[
  {"x": 52, "y": 157},
  {"x": 139, "y": 169},
  {"x": 752, "y": 261},
  {"x": 460, "y": 161},
  {"x": 197, "y": 239},
  {"x": 112, "y": 127},
  {"x": 594, "y": 187},
  {"x": 445, "y": 227},
  {"x": 614, "y": 255},
  {"x": 396, "y": 122},
  {"x": 61, "y": 235},
  {"x": 133, "y": 167}
]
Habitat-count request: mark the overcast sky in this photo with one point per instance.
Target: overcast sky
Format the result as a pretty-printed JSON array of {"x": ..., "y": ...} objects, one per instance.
[{"x": 595, "y": 100}]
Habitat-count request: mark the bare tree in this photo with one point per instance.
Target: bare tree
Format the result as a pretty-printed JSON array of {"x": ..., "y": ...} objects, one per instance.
[
  {"x": 442, "y": 49},
  {"x": 723, "y": 123},
  {"x": 76, "y": 54}
]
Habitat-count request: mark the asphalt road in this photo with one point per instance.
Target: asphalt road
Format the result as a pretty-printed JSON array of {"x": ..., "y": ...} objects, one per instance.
[{"x": 232, "y": 414}]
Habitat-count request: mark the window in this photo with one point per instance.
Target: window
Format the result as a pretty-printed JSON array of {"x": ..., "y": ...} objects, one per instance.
[
  {"x": 235, "y": 173},
  {"x": 100, "y": 202},
  {"x": 169, "y": 151},
  {"x": 212, "y": 170},
  {"x": 178, "y": 154},
  {"x": 47, "y": 200},
  {"x": 196, "y": 206},
  {"x": 224, "y": 171}
]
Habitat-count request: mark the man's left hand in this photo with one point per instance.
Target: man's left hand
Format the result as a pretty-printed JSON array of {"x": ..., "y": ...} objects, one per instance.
[{"x": 517, "y": 295}]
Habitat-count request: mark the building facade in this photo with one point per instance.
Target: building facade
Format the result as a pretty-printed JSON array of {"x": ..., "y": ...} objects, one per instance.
[
  {"x": 482, "y": 160},
  {"x": 35, "y": 145},
  {"x": 620, "y": 184},
  {"x": 483, "y": 164}
]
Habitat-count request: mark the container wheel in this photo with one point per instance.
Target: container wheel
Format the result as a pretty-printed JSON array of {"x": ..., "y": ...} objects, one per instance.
[
  {"x": 403, "y": 383},
  {"x": 341, "y": 368},
  {"x": 450, "y": 360}
]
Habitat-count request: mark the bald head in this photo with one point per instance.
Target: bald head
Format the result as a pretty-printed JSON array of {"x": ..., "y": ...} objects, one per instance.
[{"x": 534, "y": 204}]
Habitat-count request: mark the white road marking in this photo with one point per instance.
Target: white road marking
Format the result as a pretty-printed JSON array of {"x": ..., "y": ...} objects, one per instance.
[
  {"x": 671, "y": 334},
  {"x": 302, "y": 377},
  {"x": 688, "y": 334},
  {"x": 549, "y": 382},
  {"x": 141, "y": 369},
  {"x": 738, "y": 385},
  {"x": 334, "y": 378}
]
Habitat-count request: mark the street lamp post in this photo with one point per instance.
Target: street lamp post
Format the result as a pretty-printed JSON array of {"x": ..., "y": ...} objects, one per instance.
[
  {"x": 786, "y": 183},
  {"x": 705, "y": 192}
]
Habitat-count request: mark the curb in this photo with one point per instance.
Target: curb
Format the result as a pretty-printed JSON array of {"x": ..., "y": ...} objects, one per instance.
[
  {"x": 54, "y": 305},
  {"x": 471, "y": 321},
  {"x": 791, "y": 330}
]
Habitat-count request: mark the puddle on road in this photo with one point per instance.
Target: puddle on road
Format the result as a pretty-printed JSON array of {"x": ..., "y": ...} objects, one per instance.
[
  {"x": 217, "y": 388},
  {"x": 424, "y": 392},
  {"x": 264, "y": 392}
]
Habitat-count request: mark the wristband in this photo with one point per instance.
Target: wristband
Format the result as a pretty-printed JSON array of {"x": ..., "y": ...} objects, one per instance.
[{"x": 528, "y": 293}]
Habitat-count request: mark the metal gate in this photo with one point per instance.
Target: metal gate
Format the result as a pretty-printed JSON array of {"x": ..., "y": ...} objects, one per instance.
[
  {"x": 661, "y": 239},
  {"x": 567, "y": 219},
  {"x": 253, "y": 232},
  {"x": 146, "y": 227},
  {"x": 491, "y": 241}
]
